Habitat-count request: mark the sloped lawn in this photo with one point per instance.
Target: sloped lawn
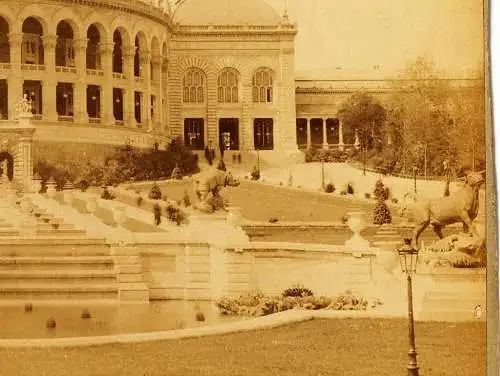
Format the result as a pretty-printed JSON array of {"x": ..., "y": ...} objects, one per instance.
[{"x": 344, "y": 347}]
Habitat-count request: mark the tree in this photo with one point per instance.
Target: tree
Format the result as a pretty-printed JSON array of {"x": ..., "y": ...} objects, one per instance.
[
  {"x": 420, "y": 118},
  {"x": 364, "y": 115}
]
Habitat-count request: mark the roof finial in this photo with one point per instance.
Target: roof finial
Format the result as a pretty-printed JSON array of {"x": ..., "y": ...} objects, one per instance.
[{"x": 285, "y": 13}]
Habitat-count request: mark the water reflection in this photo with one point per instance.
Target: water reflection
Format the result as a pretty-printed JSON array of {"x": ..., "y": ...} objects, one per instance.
[{"x": 107, "y": 319}]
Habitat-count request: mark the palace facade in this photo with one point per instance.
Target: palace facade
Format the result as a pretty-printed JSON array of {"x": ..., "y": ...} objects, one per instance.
[{"x": 215, "y": 72}]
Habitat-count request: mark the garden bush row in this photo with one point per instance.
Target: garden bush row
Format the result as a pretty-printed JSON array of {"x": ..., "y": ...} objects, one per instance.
[{"x": 124, "y": 165}]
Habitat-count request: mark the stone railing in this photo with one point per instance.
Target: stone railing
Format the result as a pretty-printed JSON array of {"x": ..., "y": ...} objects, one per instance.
[
  {"x": 65, "y": 69},
  {"x": 119, "y": 76},
  {"x": 5, "y": 66},
  {"x": 33, "y": 67},
  {"x": 95, "y": 72}
]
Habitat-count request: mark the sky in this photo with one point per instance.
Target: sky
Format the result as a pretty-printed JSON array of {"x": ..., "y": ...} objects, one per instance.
[{"x": 351, "y": 38}]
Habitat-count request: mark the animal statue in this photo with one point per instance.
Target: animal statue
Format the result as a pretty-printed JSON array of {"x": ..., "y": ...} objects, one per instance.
[
  {"x": 208, "y": 189},
  {"x": 462, "y": 206}
]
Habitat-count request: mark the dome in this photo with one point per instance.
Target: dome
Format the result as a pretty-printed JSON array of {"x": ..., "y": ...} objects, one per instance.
[{"x": 226, "y": 12}]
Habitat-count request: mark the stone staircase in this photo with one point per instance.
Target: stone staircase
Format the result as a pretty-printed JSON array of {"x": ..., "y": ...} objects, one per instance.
[{"x": 57, "y": 269}]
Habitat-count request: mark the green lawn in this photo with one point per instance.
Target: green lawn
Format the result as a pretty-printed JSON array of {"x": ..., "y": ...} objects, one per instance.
[{"x": 360, "y": 347}]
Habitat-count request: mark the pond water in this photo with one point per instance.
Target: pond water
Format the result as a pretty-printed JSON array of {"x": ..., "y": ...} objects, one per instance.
[{"x": 107, "y": 319}]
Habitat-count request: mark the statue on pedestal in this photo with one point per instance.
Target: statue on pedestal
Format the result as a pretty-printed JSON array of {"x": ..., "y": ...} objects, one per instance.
[
  {"x": 24, "y": 107},
  {"x": 208, "y": 190},
  {"x": 460, "y": 207}
]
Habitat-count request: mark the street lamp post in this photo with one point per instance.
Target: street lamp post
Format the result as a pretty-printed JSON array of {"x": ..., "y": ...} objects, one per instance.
[
  {"x": 415, "y": 178},
  {"x": 408, "y": 257},
  {"x": 323, "y": 173}
]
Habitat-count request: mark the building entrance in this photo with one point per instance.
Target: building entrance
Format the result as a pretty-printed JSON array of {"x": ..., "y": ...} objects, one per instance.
[{"x": 229, "y": 133}]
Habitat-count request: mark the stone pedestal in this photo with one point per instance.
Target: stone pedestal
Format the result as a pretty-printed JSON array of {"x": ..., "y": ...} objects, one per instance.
[{"x": 357, "y": 245}]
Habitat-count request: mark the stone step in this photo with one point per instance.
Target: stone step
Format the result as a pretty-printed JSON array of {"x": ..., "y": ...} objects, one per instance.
[
  {"x": 55, "y": 263},
  {"x": 27, "y": 291},
  {"x": 53, "y": 250},
  {"x": 51, "y": 276}
]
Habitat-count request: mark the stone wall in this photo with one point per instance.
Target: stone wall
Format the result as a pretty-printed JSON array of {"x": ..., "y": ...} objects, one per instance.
[{"x": 200, "y": 271}]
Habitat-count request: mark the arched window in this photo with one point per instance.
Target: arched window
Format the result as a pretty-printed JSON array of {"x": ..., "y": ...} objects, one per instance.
[
  {"x": 262, "y": 86},
  {"x": 227, "y": 86},
  {"x": 193, "y": 86}
]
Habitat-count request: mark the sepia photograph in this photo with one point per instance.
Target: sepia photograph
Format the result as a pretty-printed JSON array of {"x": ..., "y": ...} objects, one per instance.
[{"x": 247, "y": 187}]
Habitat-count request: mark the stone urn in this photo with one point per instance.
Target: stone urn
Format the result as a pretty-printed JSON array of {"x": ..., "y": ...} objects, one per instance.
[
  {"x": 234, "y": 217},
  {"x": 356, "y": 243},
  {"x": 36, "y": 184},
  {"x": 119, "y": 215},
  {"x": 51, "y": 188},
  {"x": 68, "y": 193}
]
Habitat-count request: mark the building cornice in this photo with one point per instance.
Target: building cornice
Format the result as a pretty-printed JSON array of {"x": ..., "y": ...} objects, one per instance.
[
  {"x": 135, "y": 7},
  {"x": 222, "y": 31}
]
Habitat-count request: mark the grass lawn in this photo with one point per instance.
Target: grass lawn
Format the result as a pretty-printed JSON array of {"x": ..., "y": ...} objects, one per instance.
[{"x": 361, "y": 347}]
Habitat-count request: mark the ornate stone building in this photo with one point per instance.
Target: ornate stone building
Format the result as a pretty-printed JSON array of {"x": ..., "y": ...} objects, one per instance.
[{"x": 215, "y": 72}]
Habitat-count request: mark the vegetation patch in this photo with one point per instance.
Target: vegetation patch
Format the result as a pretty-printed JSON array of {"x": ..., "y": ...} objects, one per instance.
[{"x": 257, "y": 304}]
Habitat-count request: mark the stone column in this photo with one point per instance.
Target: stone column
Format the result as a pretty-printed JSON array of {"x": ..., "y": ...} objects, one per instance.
[
  {"x": 128, "y": 98},
  {"x": 15, "y": 81},
  {"x": 341, "y": 135},
  {"x": 165, "y": 119},
  {"x": 308, "y": 131},
  {"x": 146, "y": 95},
  {"x": 325, "y": 138},
  {"x": 49, "y": 83},
  {"x": 80, "y": 87},
  {"x": 107, "y": 117},
  {"x": 158, "y": 120},
  {"x": 247, "y": 142}
]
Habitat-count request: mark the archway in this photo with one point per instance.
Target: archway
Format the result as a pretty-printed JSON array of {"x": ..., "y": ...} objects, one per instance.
[{"x": 10, "y": 165}]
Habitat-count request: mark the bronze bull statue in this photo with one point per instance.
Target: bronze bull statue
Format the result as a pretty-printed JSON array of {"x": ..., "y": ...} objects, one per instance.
[
  {"x": 208, "y": 189},
  {"x": 461, "y": 206}
]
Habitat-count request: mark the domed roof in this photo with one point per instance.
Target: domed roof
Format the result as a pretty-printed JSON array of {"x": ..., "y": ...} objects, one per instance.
[{"x": 226, "y": 12}]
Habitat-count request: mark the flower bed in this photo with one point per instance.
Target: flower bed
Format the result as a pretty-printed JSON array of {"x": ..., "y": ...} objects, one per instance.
[{"x": 257, "y": 304}]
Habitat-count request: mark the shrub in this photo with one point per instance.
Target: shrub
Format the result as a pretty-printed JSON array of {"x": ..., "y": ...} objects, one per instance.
[
  {"x": 255, "y": 173},
  {"x": 343, "y": 192},
  {"x": 175, "y": 214},
  {"x": 329, "y": 156},
  {"x": 381, "y": 213},
  {"x": 200, "y": 316},
  {"x": 381, "y": 192},
  {"x": 139, "y": 200},
  {"x": 107, "y": 195},
  {"x": 297, "y": 291},
  {"x": 273, "y": 220},
  {"x": 345, "y": 218},
  {"x": 86, "y": 314},
  {"x": 350, "y": 188},
  {"x": 329, "y": 188},
  {"x": 394, "y": 200},
  {"x": 367, "y": 195},
  {"x": 155, "y": 192}
]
